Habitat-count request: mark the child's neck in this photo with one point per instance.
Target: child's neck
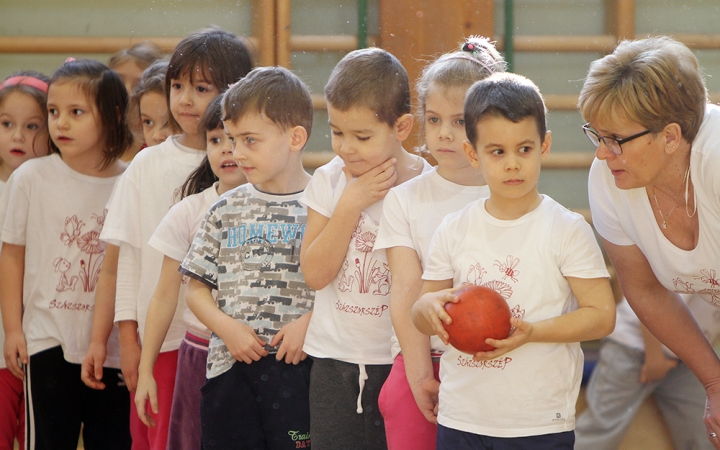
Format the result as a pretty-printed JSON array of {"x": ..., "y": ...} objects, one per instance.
[
  {"x": 93, "y": 167},
  {"x": 408, "y": 165},
  {"x": 288, "y": 182},
  {"x": 511, "y": 209},
  {"x": 5, "y": 171},
  {"x": 194, "y": 141},
  {"x": 466, "y": 176}
]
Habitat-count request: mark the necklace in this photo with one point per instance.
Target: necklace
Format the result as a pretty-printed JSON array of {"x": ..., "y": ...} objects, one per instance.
[
  {"x": 687, "y": 185},
  {"x": 664, "y": 219}
]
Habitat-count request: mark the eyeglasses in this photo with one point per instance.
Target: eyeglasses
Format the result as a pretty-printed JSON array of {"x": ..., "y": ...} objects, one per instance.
[{"x": 610, "y": 142}]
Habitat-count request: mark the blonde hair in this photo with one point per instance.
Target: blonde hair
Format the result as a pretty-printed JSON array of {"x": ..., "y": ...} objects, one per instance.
[{"x": 652, "y": 82}]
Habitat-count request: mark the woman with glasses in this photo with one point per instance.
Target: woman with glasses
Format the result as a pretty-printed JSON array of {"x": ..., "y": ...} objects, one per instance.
[{"x": 655, "y": 196}]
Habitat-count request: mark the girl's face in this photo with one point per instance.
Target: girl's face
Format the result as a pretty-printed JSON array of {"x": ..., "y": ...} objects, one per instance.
[
  {"x": 74, "y": 124},
  {"x": 153, "y": 114},
  {"x": 188, "y": 101},
  {"x": 220, "y": 155},
  {"x": 445, "y": 127},
  {"x": 23, "y": 131}
]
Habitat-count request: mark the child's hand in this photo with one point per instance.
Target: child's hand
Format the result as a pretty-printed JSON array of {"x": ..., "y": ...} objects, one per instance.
[
  {"x": 656, "y": 368},
  {"x": 146, "y": 390},
  {"x": 243, "y": 343},
  {"x": 15, "y": 348},
  {"x": 129, "y": 361},
  {"x": 431, "y": 309},
  {"x": 291, "y": 338},
  {"x": 520, "y": 335},
  {"x": 370, "y": 187},
  {"x": 426, "y": 396},
  {"x": 91, "y": 371}
]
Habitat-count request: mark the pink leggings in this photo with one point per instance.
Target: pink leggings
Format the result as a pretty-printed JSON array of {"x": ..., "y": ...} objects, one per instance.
[
  {"x": 405, "y": 426},
  {"x": 155, "y": 438},
  {"x": 12, "y": 411}
]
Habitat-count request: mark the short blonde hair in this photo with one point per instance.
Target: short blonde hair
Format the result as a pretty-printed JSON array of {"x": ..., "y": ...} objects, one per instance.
[{"x": 652, "y": 82}]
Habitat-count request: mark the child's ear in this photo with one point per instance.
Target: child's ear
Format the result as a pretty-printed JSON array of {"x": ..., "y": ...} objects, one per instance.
[
  {"x": 471, "y": 154},
  {"x": 403, "y": 126},
  {"x": 298, "y": 138},
  {"x": 546, "y": 146}
]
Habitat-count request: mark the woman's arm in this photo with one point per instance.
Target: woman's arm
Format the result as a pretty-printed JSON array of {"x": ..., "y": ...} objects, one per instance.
[
  {"x": 103, "y": 319},
  {"x": 667, "y": 317},
  {"x": 159, "y": 317},
  {"x": 326, "y": 240},
  {"x": 407, "y": 282},
  {"x": 12, "y": 271}
]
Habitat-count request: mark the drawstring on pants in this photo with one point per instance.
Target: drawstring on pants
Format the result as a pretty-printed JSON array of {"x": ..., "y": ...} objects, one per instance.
[{"x": 361, "y": 379}]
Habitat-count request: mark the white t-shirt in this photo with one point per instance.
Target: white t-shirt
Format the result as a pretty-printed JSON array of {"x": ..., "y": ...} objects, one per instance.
[
  {"x": 533, "y": 389},
  {"x": 625, "y": 217},
  {"x": 57, "y": 214},
  {"x": 144, "y": 195},
  {"x": 412, "y": 213},
  {"x": 174, "y": 236},
  {"x": 627, "y": 325},
  {"x": 351, "y": 317}
]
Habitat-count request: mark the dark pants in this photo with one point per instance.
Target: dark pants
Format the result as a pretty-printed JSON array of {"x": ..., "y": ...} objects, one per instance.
[
  {"x": 335, "y": 421},
  {"x": 258, "y": 406},
  {"x": 450, "y": 439},
  {"x": 58, "y": 403}
]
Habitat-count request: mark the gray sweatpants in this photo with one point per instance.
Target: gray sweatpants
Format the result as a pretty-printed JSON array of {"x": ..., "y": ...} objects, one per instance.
[{"x": 615, "y": 393}]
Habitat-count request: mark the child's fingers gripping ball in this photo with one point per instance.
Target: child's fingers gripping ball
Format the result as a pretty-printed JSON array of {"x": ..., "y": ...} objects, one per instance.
[{"x": 480, "y": 313}]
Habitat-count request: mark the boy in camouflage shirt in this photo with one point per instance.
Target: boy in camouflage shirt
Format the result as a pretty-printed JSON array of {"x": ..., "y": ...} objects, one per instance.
[{"x": 248, "y": 249}]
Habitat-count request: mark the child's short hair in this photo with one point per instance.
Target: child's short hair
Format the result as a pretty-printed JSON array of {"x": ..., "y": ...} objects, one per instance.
[
  {"x": 220, "y": 56},
  {"x": 203, "y": 176},
  {"x": 104, "y": 87},
  {"x": 152, "y": 80},
  {"x": 506, "y": 95},
  {"x": 372, "y": 78},
  {"x": 144, "y": 53},
  {"x": 273, "y": 91}
]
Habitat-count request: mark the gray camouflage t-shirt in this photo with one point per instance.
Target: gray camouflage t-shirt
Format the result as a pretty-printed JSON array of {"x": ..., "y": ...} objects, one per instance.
[{"x": 248, "y": 248}]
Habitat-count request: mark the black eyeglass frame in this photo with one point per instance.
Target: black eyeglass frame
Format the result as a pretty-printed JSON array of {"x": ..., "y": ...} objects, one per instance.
[{"x": 588, "y": 131}]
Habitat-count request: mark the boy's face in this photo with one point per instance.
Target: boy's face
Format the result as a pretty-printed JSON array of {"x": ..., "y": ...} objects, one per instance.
[
  {"x": 509, "y": 155},
  {"x": 360, "y": 139},
  {"x": 262, "y": 149}
]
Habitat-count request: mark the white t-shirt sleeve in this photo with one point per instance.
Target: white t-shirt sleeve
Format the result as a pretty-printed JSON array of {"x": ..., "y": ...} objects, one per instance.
[
  {"x": 128, "y": 283},
  {"x": 318, "y": 194},
  {"x": 439, "y": 262},
  {"x": 122, "y": 223},
  {"x": 581, "y": 256},
  {"x": 15, "y": 203},
  {"x": 604, "y": 213},
  {"x": 394, "y": 226},
  {"x": 173, "y": 235}
]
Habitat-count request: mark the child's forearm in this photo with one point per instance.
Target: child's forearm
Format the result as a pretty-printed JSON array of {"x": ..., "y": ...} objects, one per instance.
[
  {"x": 326, "y": 243},
  {"x": 160, "y": 313},
  {"x": 594, "y": 318},
  {"x": 104, "y": 310},
  {"x": 128, "y": 283},
  {"x": 200, "y": 301},
  {"x": 12, "y": 272}
]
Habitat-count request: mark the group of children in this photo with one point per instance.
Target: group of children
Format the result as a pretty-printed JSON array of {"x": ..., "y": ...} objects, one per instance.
[{"x": 173, "y": 302}]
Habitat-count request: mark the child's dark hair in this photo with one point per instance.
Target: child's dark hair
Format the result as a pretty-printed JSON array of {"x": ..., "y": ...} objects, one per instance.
[
  {"x": 203, "y": 177},
  {"x": 144, "y": 53},
  {"x": 476, "y": 60},
  {"x": 152, "y": 80},
  {"x": 273, "y": 91},
  {"x": 372, "y": 78},
  {"x": 39, "y": 95},
  {"x": 105, "y": 88},
  {"x": 219, "y": 56},
  {"x": 506, "y": 95}
]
